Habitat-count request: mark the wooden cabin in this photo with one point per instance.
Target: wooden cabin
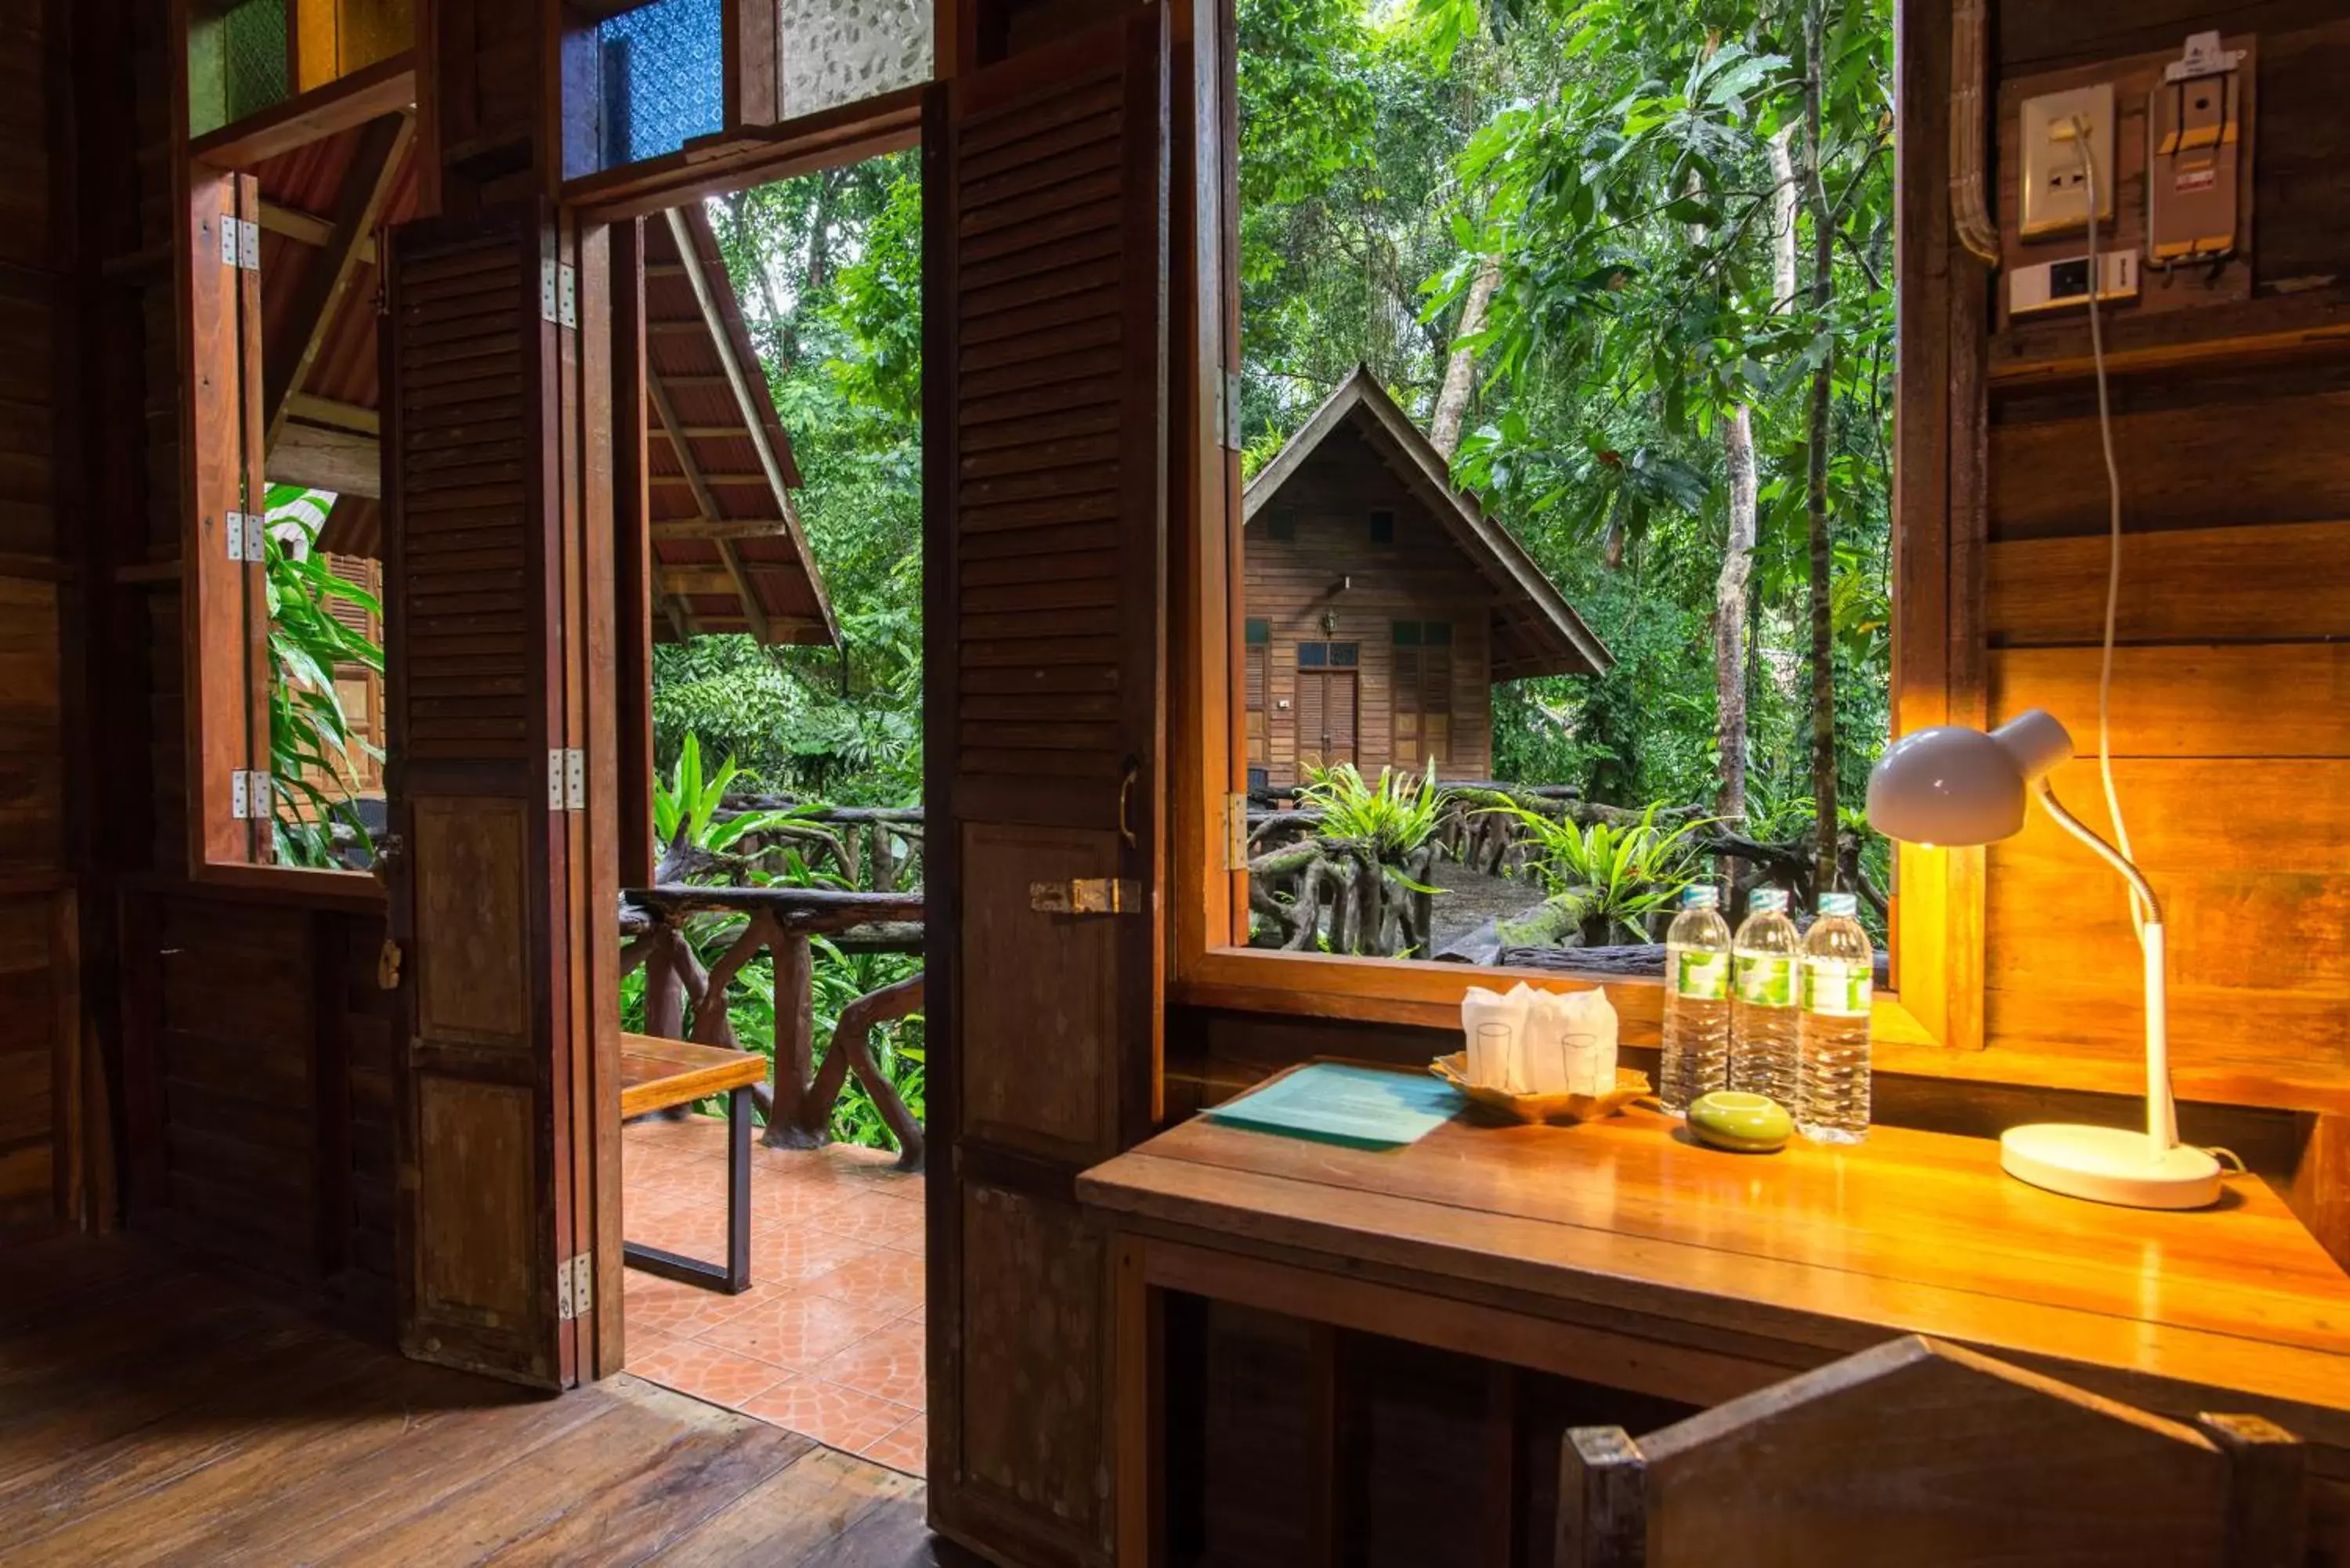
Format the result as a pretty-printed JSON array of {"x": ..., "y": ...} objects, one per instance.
[
  {"x": 314, "y": 1191},
  {"x": 1383, "y": 603}
]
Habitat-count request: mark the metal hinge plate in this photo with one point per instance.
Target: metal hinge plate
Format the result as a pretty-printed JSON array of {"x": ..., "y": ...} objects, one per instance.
[
  {"x": 1236, "y": 837},
  {"x": 575, "y": 779},
  {"x": 1229, "y": 420},
  {"x": 248, "y": 245},
  {"x": 254, "y": 526},
  {"x": 233, "y": 525},
  {"x": 555, "y": 779},
  {"x": 575, "y": 1287},
  {"x": 248, "y": 795},
  {"x": 228, "y": 239},
  {"x": 558, "y": 294},
  {"x": 1087, "y": 896}
]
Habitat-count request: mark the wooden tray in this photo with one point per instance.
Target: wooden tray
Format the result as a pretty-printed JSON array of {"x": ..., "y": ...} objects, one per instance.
[{"x": 1630, "y": 1084}]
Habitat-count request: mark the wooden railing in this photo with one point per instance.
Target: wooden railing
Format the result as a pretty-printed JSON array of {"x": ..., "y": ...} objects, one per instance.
[
  {"x": 683, "y": 1001},
  {"x": 873, "y": 846}
]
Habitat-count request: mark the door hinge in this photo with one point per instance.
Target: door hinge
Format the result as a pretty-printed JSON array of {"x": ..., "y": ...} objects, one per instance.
[
  {"x": 1087, "y": 896},
  {"x": 1236, "y": 833},
  {"x": 575, "y": 1287},
  {"x": 240, "y": 242},
  {"x": 555, "y": 779},
  {"x": 233, "y": 525},
  {"x": 575, "y": 779},
  {"x": 558, "y": 294},
  {"x": 1228, "y": 420},
  {"x": 248, "y": 795}
]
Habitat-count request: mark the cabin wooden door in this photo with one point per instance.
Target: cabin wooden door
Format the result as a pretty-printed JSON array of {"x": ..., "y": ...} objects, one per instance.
[
  {"x": 1046, "y": 295},
  {"x": 1325, "y": 718},
  {"x": 481, "y": 798}
]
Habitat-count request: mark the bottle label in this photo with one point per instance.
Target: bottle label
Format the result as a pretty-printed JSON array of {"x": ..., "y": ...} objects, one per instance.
[
  {"x": 1767, "y": 980},
  {"x": 1701, "y": 976},
  {"x": 1837, "y": 987}
]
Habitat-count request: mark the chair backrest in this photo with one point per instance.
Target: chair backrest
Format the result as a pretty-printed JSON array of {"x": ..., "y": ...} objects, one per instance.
[{"x": 1922, "y": 1455}]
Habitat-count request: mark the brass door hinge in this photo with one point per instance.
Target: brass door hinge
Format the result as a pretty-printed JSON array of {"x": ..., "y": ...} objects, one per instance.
[{"x": 1236, "y": 833}]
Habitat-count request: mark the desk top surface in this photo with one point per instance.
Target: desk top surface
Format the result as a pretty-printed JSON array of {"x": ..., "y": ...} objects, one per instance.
[
  {"x": 656, "y": 1073},
  {"x": 1908, "y": 1232}
]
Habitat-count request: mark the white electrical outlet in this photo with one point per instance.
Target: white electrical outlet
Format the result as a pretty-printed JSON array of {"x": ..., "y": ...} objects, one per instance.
[{"x": 2056, "y": 178}]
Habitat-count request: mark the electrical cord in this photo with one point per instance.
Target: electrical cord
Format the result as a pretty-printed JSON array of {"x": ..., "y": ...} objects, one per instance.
[{"x": 2139, "y": 911}]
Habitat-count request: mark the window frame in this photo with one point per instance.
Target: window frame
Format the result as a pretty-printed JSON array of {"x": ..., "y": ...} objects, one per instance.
[
  {"x": 1931, "y": 1023},
  {"x": 224, "y": 615}
]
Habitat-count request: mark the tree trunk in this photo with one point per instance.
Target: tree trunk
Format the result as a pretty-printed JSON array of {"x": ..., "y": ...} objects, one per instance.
[
  {"x": 1815, "y": 477},
  {"x": 1784, "y": 195},
  {"x": 1729, "y": 616},
  {"x": 1460, "y": 371}
]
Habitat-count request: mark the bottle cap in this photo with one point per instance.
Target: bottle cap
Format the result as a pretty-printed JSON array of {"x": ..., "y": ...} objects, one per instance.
[
  {"x": 1700, "y": 896},
  {"x": 1845, "y": 904},
  {"x": 1767, "y": 901}
]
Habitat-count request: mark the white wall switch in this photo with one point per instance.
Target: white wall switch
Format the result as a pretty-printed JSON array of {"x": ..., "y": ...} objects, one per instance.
[
  {"x": 2052, "y": 285},
  {"x": 2056, "y": 178}
]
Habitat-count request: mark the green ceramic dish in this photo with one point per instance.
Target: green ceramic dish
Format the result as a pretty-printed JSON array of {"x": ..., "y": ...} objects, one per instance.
[{"x": 1746, "y": 1124}]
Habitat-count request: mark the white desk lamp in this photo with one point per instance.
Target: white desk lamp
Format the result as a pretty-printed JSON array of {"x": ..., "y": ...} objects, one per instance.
[{"x": 1954, "y": 785}]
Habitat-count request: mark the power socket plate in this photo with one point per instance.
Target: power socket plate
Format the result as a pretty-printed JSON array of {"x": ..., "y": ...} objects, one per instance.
[{"x": 2054, "y": 180}]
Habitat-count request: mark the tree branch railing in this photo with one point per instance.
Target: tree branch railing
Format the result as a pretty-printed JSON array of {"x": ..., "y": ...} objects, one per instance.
[
  {"x": 877, "y": 847},
  {"x": 683, "y": 1001}
]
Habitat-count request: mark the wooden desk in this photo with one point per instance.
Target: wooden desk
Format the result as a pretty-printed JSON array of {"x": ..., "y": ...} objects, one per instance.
[
  {"x": 657, "y": 1073},
  {"x": 1622, "y": 1255}
]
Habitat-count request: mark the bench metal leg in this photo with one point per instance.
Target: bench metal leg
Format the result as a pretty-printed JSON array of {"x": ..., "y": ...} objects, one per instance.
[{"x": 734, "y": 1276}]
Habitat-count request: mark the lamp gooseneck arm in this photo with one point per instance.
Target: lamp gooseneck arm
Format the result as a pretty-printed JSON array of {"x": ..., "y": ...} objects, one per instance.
[
  {"x": 2105, "y": 852},
  {"x": 2161, "y": 1111}
]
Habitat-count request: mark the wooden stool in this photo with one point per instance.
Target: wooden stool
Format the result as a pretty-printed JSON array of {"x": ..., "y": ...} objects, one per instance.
[{"x": 657, "y": 1073}]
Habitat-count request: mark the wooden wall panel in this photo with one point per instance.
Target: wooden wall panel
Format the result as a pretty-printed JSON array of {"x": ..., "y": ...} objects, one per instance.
[{"x": 2232, "y": 751}]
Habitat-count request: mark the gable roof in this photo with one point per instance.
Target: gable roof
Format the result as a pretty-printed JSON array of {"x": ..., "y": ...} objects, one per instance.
[{"x": 1535, "y": 630}]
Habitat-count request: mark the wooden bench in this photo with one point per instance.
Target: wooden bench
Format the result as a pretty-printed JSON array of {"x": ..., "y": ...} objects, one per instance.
[{"x": 657, "y": 1073}]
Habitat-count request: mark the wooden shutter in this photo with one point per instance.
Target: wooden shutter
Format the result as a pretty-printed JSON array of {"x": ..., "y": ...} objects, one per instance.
[
  {"x": 1045, "y": 179},
  {"x": 1436, "y": 698},
  {"x": 1312, "y": 708},
  {"x": 1338, "y": 716},
  {"x": 482, "y": 887},
  {"x": 1259, "y": 738}
]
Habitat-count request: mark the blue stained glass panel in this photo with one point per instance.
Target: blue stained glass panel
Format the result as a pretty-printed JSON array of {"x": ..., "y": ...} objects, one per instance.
[{"x": 664, "y": 83}]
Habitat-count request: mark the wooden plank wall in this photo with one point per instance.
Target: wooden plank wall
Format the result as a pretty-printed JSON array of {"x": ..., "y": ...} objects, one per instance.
[
  {"x": 242, "y": 1035},
  {"x": 41, "y": 1060},
  {"x": 2230, "y": 730},
  {"x": 1421, "y": 576}
]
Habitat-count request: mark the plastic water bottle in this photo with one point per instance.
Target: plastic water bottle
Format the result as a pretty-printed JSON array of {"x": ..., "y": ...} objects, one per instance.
[
  {"x": 1696, "y": 1001},
  {"x": 1763, "y": 1052},
  {"x": 1832, "y": 1104}
]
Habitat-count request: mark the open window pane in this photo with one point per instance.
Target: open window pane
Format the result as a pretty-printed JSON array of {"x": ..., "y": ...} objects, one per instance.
[{"x": 1489, "y": 449}]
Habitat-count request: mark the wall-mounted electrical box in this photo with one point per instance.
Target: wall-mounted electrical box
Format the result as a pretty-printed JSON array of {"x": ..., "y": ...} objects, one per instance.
[
  {"x": 2057, "y": 172},
  {"x": 2052, "y": 285},
  {"x": 2195, "y": 143}
]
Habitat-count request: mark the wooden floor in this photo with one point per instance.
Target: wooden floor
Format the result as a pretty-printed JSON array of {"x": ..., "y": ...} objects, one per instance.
[{"x": 151, "y": 1414}]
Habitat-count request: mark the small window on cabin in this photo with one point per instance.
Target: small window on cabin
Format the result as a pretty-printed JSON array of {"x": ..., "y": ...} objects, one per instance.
[
  {"x": 1383, "y": 525},
  {"x": 1313, "y": 656},
  {"x": 1281, "y": 526}
]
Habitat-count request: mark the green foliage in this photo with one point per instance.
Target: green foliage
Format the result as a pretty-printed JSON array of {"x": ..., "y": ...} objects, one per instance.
[
  {"x": 312, "y": 748},
  {"x": 1622, "y": 873},
  {"x": 1393, "y": 818},
  {"x": 685, "y": 806}
]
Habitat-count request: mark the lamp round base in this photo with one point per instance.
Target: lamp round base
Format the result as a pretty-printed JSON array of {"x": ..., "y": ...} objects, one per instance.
[{"x": 2109, "y": 1164}]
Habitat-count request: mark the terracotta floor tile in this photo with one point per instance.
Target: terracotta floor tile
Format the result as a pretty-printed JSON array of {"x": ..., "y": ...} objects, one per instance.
[
  {"x": 795, "y": 1331},
  {"x": 883, "y": 1281},
  {"x": 670, "y": 1307},
  {"x": 886, "y": 1365},
  {"x": 841, "y": 1417},
  {"x": 795, "y": 1254},
  {"x": 707, "y": 1372},
  {"x": 908, "y": 1448},
  {"x": 790, "y": 1200},
  {"x": 692, "y": 1132},
  {"x": 869, "y": 1217}
]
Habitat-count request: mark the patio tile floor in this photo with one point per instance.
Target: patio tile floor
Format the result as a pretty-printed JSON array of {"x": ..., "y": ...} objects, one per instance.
[{"x": 828, "y": 1339}]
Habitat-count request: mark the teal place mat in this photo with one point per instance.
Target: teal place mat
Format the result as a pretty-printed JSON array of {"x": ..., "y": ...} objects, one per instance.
[{"x": 1362, "y": 1107}]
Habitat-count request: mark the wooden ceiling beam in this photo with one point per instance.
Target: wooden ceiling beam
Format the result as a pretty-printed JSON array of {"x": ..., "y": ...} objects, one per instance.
[
  {"x": 665, "y": 413},
  {"x": 713, "y": 432},
  {"x": 705, "y": 476},
  {"x": 367, "y": 186},
  {"x": 344, "y": 416},
  {"x": 718, "y": 528}
]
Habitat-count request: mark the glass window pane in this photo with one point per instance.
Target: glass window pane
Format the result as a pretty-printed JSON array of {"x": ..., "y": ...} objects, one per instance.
[
  {"x": 1260, "y": 631},
  {"x": 664, "y": 78},
  {"x": 840, "y": 51},
  {"x": 1281, "y": 526},
  {"x": 1345, "y": 655},
  {"x": 1439, "y": 632},
  {"x": 1313, "y": 655},
  {"x": 1407, "y": 634}
]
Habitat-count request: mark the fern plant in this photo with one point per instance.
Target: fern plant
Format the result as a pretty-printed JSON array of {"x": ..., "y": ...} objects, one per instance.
[
  {"x": 1394, "y": 819},
  {"x": 1618, "y": 874}
]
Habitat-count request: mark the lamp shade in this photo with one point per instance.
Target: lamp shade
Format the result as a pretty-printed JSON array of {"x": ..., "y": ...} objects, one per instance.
[{"x": 1953, "y": 784}]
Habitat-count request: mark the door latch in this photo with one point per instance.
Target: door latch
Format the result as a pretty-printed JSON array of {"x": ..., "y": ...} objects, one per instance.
[{"x": 1087, "y": 896}]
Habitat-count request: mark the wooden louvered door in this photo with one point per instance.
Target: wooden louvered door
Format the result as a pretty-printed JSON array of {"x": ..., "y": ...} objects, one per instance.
[
  {"x": 1044, "y": 288},
  {"x": 1325, "y": 718},
  {"x": 481, "y": 880}
]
